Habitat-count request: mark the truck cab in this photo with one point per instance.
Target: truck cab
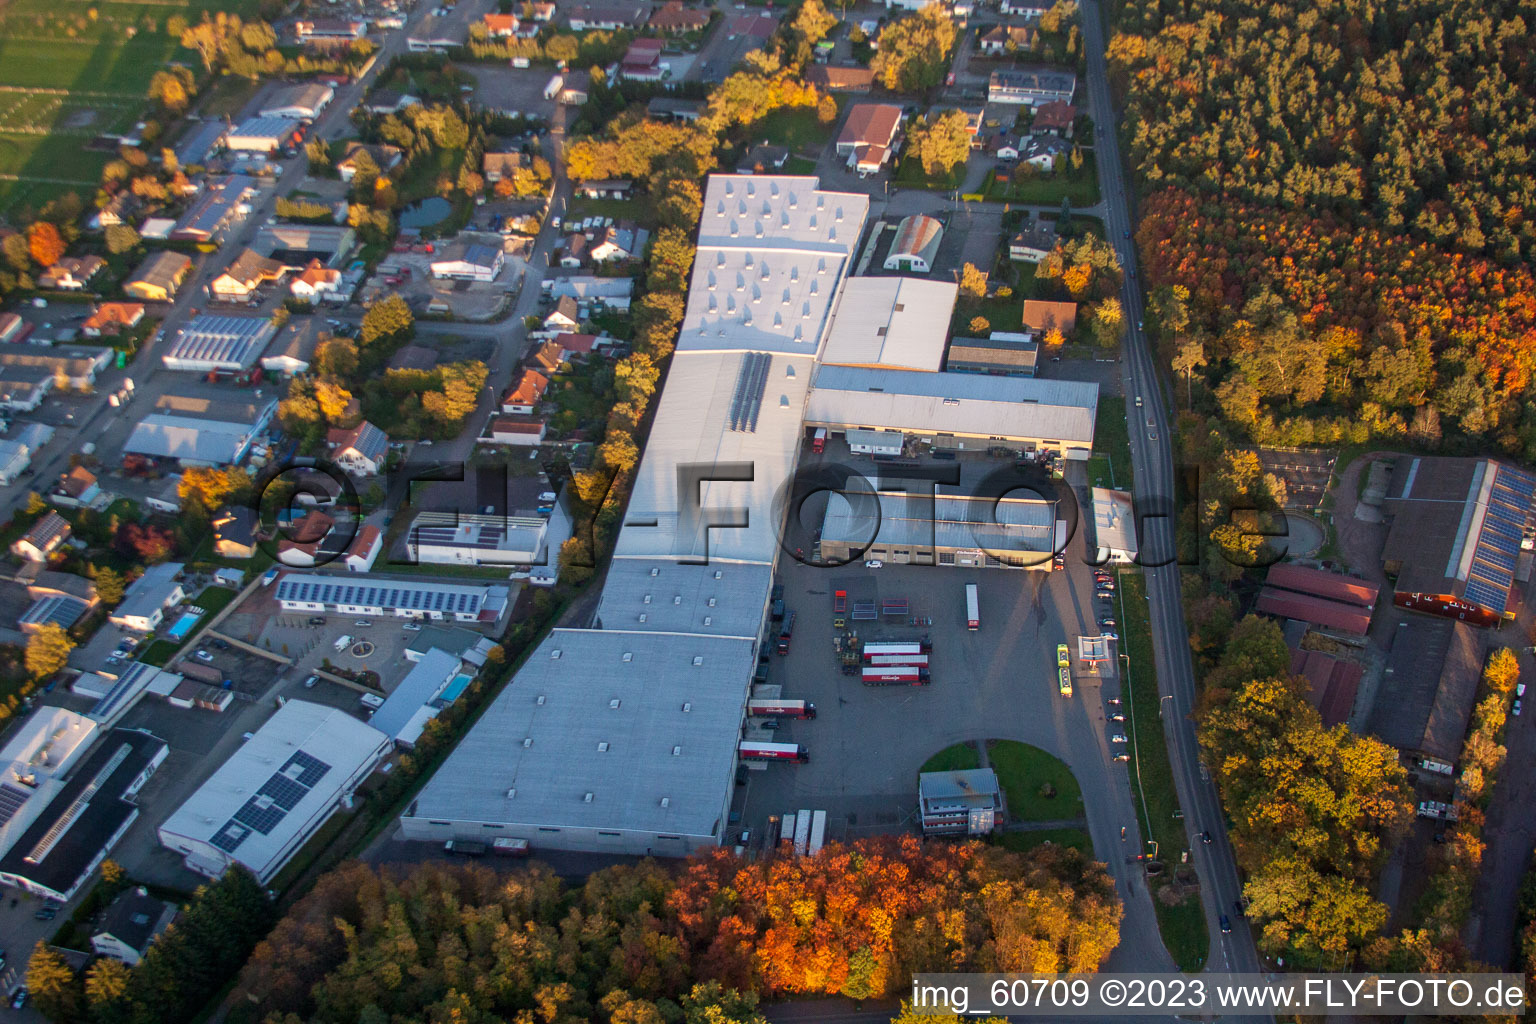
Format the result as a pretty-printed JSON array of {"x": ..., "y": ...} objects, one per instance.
[{"x": 819, "y": 440}]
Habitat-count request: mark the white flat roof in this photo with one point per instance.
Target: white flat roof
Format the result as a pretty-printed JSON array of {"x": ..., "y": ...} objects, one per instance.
[
  {"x": 45, "y": 746},
  {"x": 898, "y": 323},
  {"x": 1025, "y": 408},
  {"x": 998, "y": 525},
  {"x": 656, "y": 595},
  {"x": 277, "y": 782},
  {"x": 670, "y": 726},
  {"x": 706, "y": 393},
  {"x": 771, "y": 252},
  {"x": 1114, "y": 520}
]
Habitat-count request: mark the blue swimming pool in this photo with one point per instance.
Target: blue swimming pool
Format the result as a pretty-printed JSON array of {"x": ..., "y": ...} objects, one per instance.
[
  {"x": 452, "y": 690},
  {"x": 183, "y": 626}
]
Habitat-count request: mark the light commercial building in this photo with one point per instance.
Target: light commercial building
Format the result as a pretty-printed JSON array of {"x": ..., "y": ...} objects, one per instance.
[
  {"x": 201, "y": 433},
  {"x": 453, "y": 538},
  {"x": 1020, "y": 533},
  {"x": 1114, "y": 525},
  {"x": 967, "y": 803},
  {"x": 959, "y": 411},
  {"x": 230, "y": 343},
  {"x": 1031, "y": 86},
  {"x": 64, "y": 844},
  {"x": 894, "y": 323},
  {"x": 275, "y": 791},
  {"x": 916, "y": 244},
  {"x": 410, "y": 706},
  {"x": 35, "y": 763},
  {"x": 403, "y": 599}
]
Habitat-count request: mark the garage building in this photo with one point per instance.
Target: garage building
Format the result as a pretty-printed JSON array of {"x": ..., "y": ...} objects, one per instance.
[
  {"x": 275, "y": 791},
  {"x": 895, "y": 323}
]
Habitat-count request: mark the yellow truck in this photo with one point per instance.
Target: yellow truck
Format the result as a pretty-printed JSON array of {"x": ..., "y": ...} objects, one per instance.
[{"x": 1063, "y": 670}]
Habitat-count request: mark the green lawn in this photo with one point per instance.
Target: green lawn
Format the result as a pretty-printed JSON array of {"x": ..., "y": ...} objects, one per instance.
[
  {"x": 1183, "y": 926},
  {"x": 1019, "y": 842},
  {"x": 214, "y": 599},
  {"x": 1047, "y": 189},
  {"x": 960, "y": 757},
  {"x": 910, "y": 174},
  {"x": 1111, "y": 441},
  {"x": 159, "y": 652},
  {"x": 799, "y": 165},
  {"x": 1023, "y": 770},
  {"x": 795, "y": 127}
]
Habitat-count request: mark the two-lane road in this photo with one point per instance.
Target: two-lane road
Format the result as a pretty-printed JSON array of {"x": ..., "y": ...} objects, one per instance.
[{"x": 1152, "y": 458}]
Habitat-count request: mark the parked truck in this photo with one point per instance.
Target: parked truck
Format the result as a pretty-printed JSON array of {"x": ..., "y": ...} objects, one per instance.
[
  {"x": 819, "y": 440},
  {"x": 786, "y": 634},
  {"x": 781, "y": 709},
  {"x": 892, "y": 675},
  {"x": 204, "y": 674},
  {"x": 464, "y": 847},
  {"x": 509, "y": 847},
  {"x": 753, "y": 751}
]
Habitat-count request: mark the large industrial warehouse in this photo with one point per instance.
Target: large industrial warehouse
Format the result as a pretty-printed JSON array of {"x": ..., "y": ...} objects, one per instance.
[
  {"x": 623, "y": 737},
  {"x": 228, "y": 343}
]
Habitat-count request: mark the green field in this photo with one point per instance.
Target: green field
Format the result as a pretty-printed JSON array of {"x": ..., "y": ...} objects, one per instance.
[
  {"x": 960, "y": 757},
  {"x": 1024, "y": 771},
  {"x": 1019, "y": 842},
  {"x": 68, "y": 75}
]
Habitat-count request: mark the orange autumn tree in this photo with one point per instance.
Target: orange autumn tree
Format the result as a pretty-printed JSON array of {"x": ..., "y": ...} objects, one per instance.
[{"x": 694, "y": 940}]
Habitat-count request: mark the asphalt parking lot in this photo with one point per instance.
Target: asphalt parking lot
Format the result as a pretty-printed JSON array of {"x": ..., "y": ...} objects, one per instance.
[
  {"x": 262, "y": 622},
  {"x": 867, "y": 743},
  {"x": 511, "y": 89}
]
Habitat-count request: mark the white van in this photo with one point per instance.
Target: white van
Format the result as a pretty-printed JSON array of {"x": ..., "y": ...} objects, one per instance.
[
  {"x": 342, "y": 642},
  {"x": 371, "y": 701}
]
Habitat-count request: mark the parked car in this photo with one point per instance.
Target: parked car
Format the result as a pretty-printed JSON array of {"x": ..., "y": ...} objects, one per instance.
[
  {"x": 1122, "y": 757},
  {"x": 1515, "y": 708},
  {"x": 1226, "y": 925},
  {"x": 317, "y": 620},
  {"x": 873, "y": 563},
  {"x": 18, "y": 997},
  {"x": 1105, "y": 584},
  {"x": 1106, "y": 622},
  {"x": 222, "y": 645},
  {"x": 1109, "y": 634},
  {"x": 1118, "y": 737},
  {"x": 412, "y": 627},
  {"x": 46, "y": 914},
  {"x": 309, "y": 684},
  {"x": 1112, "y": 700},
  {"x": 1205, "y": 837},
  {"x": 1117, "y": 717},
  {"x": 203, "y": 656},
  {"x": 362, "y": 623}
]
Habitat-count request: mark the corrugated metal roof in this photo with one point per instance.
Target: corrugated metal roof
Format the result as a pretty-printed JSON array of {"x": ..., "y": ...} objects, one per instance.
[
  {"x": 1331, "y": 585},
  {"x": 1319, "y": 611},
  {"x": 1011, "y": 525},
  {"x": 1022, "y": 408}
]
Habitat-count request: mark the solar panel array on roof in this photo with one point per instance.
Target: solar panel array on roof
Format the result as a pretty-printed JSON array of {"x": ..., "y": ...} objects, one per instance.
[
  {"x": 1498, "y": 542},
  {"x": 477, "y": 535},
  {"x": 277, "y": 796},
  {"x": 380, "y": 596},
  {"x": 747, "y": 401},
  {"x": 11, "y": 801}
]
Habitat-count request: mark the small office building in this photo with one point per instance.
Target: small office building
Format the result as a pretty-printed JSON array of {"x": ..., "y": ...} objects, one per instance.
[{"x": 960, "y": 803}]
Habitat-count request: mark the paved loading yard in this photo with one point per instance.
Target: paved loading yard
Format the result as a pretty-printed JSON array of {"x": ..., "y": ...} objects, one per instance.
[{"x": 867, "y": 743}]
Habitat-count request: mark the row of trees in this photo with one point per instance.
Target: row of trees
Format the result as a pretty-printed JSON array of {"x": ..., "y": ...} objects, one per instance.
[
  {"x": 192, "y": 959},
  {"x": 645, "y": 945},
  {"x": 1313, "y": 810}
]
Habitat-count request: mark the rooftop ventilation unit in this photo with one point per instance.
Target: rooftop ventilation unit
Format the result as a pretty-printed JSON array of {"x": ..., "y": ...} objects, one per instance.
[
  {"x": 540, "y": 700},
  {"x": 666, "y": 801},
  {"x": 527, "y": 741},
  {"x": 602, "y": 748},
  {"x": 698, "y": 660},
  {"x": 614, "y": 703},
  {"x": 554, "y": 655},
  {"x": 687, "y": 706},
  {"x": 586, "y": 798},
  {"x": 677, "y": 751}
]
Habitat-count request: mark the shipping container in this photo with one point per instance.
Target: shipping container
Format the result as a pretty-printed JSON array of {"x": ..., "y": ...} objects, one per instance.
[
  {"x": 781, "y": 709},
  {"x": 890, "y": 675},
  {"x": 972, "y": 608},
  {"x": 802, "y": 833},
  {"x": 818, "y": 832},
  {"x": 753, "y": 751}
]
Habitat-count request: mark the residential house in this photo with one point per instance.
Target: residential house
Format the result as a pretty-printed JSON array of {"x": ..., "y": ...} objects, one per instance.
[
  {"x": 14, "y": 460},
  {"x": 666, "y": 108},
  {"x": 71, "y": 274},
  {"x": 261, "y": 135},
  {"x": 1031, "y": 9},
  {"x": 764, "y": 159},
  {"x": 578, "y": 344},
  {"x": 540, "y": 10},
  {"x": 1002, "y": 39},
  {"x": 500, "y": 26},
  {"x": 249, "y": 271},
  {"x": 112, "y": 318},
  {"x": 167, "y": 498},
  {"x": 1004, "y": 146},
  {"x": 868, "y": 138},
  {"x": 1032, "y": 87},
  {"x": 608, "y": 17},
  {"x": 389, "y": 101},
  {"x": 642, "y": 62},
  {"x": 836, "y": 78},
  {"x": 119, "y": 210},
  {"x": 360, "y": 450},
  {"x": 316, "y": 282},
  {"x": 1042, "y": 151},
  {"x": 234, "y": 532},
  {"x": 1042, "y": 316},
  {"x": 609, "y": 292},
  {"x": 365, "y": 549},
  {"x": 311, "y": 540},
  {"x": 43, "y": 538},
  {"x": 1033, "y": 243},
  {"x": 60, "y": 598},
  {"x": 130, "y": 925},
  {"x": 548, "y": 356},
  {"x": 292, "y": 350},
  {"x": 1054, "y": 118},
  {"x": 608, "y": 188},
  {"x": 469, "y": 262},
  {"x": 517, "y": 430},
  {"x": 147, "y": 598},
  {"x": 496, "y": 166},
  {"x": 525, "y": 394},
  {"x": 382, "y": 157},
  {"x": 574, "y": 251},
  {"x": 673, "y": 18},
  {"x": 323, "y": 33},
  {"x": 622, "y": 241},
  {"x": 76, "y": 488},
  {"x": 159, "y": 276},
  {"x": 564, "y": 317}
]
